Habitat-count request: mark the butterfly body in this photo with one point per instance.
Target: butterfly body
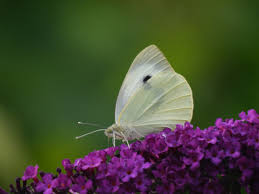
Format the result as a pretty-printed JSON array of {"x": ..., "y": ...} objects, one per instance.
[
  {"x": 116, "y": 130},
  {"x": 153, "y": 96},
  {"x": 120, "y": 132}
]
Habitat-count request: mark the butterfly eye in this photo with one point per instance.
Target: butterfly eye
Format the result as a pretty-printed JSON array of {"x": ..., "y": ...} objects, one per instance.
[{"x": 146, "y": 78}]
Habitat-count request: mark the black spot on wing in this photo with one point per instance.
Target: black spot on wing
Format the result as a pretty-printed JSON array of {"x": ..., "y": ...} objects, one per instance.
[{"x": 146, "y": 78}]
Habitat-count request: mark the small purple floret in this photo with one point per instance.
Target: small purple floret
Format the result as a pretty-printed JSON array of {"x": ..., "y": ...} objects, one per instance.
[{"x": 30, "y": 173}]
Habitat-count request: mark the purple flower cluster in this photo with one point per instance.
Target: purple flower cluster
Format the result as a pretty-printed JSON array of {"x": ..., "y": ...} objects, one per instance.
[{"x": 220, "y": 159}]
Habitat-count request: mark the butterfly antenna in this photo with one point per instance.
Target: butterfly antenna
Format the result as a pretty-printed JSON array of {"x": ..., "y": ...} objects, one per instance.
[
  {"x": 89, "y": 124},
  {"x": 78, "y": 137}
]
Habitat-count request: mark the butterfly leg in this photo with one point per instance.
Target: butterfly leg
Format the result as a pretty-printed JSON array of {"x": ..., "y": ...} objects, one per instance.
[
  {"x": 125, "y": 139},
  {"x": 113, "y": 139}
]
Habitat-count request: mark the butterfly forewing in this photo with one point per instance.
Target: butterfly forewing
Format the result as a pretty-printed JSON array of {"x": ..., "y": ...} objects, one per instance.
[{"x": 148, "y": 61}]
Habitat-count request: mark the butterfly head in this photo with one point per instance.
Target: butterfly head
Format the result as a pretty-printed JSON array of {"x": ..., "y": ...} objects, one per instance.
[{"x": 108, "y": 132}]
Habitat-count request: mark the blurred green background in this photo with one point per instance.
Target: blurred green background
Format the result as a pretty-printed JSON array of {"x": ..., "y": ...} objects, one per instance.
[{"x": 63, "y": 62}]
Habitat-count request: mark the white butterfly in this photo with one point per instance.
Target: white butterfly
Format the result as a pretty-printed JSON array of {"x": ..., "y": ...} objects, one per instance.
[{"x": 152, "y": 97}]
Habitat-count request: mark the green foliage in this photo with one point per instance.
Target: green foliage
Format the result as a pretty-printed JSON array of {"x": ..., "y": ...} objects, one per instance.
[{"x": 64, "y": 62}]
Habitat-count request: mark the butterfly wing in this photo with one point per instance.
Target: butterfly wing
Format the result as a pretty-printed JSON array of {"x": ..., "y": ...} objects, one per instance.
[
  {"x": 149, "y": 60},
  {"x": 153, "y": 96}
]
